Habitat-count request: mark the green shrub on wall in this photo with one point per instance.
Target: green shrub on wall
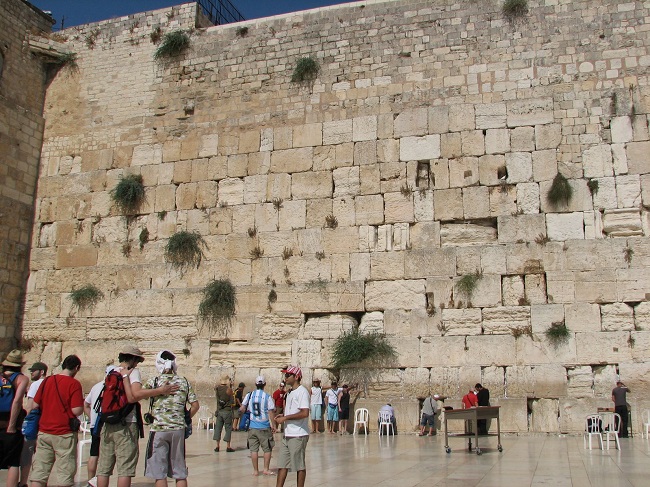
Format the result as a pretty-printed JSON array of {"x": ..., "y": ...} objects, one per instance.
[
  {"x": 306, "y": 70},
  {"x": 185, "y": 249},
  {"x": 128, "y": 194},
  {"x": 86, "y": 297},
  {"x": 173, "y": 44},
  {"x": 218, "y": 305},
  {"x": 560, "y": 191}
]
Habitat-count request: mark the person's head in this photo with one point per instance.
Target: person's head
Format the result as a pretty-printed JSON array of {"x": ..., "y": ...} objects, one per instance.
[
  {"x": 71, "y": 364},
  {"x": 13, "y": 362},
  {"x": 38, "y": 370},
  {"x": 345, "y": 388},
  {"x": 292, "y": 374},
  {"x": 316, "y": 382},
  {"x": 241, "y": 385},
  {"x": 130, "y": 356},
  {"x": 224, "y": 380},
  {"x": 334, "y": 385},
  {"x": 619, "y": 383},
  {"x": 166, "y": 362},
  {"x": 260, "y": 382},
  {"x": 282, "y": 385},
  {"x": 478, "y": 387}
]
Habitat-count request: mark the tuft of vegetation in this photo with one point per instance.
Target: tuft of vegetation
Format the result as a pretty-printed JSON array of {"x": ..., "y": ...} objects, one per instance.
[
  {"x": 557, "y": 333},
  {"x": 286, "y": 253},
  {"x": 320, "y": 255},
  {"x": 217, "y": 307},
  {"x": 252, "y": 231},
  {"x": 514, "y": 9},
  {"x": 331, "y": 221},
  {"x": 542, "y": 239},
  {"x": 306, "y": 70},
  {"x": 443, "y": 328},
  {"x": 273, "y": 296},
  {"x": 361, "y": 349},
  {"x": 185, "y": 249},
  {"x": 519, "y": 331},
  {"x": 144, "y": 237},
  {"x": 406, "y": 191},
  {"x": 162, "y": 214},
  {"x": 126, "y": 249},
  {"x": 467, "y": 284},
  {"x": 69, "y": 60},
  {"x": 129, "y": 194},
  {"x": 241, "y": 31},
  {"x": 256, "y": 253},
  {"x": 628, "y": 253},
  {"x": 91, "y": 38},
  {"x": 319, "y": 285},
  {"x": 156, "y": 35},
  {"x": 86, "y": 297},
  {"x": 592, "y": 184},
  {"x": 524, "y": 301},
  {"x": 277, "y": 203},
  {"x": 560, "y": 191},
  {"x": 173, "y": 44}
]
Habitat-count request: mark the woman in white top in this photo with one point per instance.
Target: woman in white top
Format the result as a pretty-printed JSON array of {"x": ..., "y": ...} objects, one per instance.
[
  {"x": 316, "y": 405},
  {"x": 332, "y": 396}
]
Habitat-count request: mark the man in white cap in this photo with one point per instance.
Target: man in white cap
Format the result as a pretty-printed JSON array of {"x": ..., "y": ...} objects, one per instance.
[
  {"x": 291, "y": 454},
  {"x": 166, "y": 447},
  {"x": 14, "y": 386},
  {"x": 89, "y": 409},
  {"x": 262, "y": 425},
  {"x": 119, "y": 442}
]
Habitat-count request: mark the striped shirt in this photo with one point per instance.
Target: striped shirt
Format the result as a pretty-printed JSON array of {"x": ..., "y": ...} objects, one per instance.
[{"x": 259, "y": 403}]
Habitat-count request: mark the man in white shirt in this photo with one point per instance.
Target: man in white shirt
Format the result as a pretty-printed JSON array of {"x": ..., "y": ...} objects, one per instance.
[
  {"x": 89, "y": 409},
  {"x": 296, "y": 432},
  {"x": 38, "y": 372}
]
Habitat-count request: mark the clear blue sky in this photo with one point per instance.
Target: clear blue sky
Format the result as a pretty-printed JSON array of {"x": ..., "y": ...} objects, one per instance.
[{"x": 78, "y": 12}]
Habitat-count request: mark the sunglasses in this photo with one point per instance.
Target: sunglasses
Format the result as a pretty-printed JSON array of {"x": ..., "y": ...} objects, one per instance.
[{"x": 287, "y": 375}]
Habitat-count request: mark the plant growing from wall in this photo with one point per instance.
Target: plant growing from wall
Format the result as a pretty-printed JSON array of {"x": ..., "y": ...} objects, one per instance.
[
  {"x": 257, "y": 252},
  {"x": 628, "y": 253},
  {"x": 306, "y": 70},
  {"x": 514, "y": 9},
  {"x": 557, "y": 333},
  {"x": 144, "y": 237},
  {"x": 406, "y": 190},
  {"x": 519, "y": 331},
  {"x": 156, "y": 35},
  {"x": 287, "y": 253},
  {"x": 466, "y": 285},
  {"x": 173, "y": 44},
  {"x": 128, "y": 194},
  {"x": 592, "y": 184},
  {"x": 185, "y": 249},
  {"x": 217, "y": 307},
  {"x": 241, "y": 31},
  {"x": 86, "y": 297},
  {"x": 560, "y": 191},
  {"x": 331, "y": 221},
  {"x": 363, "y": 350},
  {"x": 67, "y": 59}
]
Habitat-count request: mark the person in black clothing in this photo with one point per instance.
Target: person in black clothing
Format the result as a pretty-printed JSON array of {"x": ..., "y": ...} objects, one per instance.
[
  {"x": 344, "y": 409},
  {"x": 619, "y": 397},
  {"x": 483, "y": 396}
]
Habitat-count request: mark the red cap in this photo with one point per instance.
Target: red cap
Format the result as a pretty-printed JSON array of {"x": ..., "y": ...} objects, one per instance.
[{"x": 292, "y": 369}]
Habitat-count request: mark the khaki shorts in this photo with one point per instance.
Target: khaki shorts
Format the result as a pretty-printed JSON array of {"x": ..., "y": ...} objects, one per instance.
[
  {"x": 263, "y": 438},
  {"x": 118, "y": 446},
  {"x": 49, "y": 447},
  {"x": 292, "y": 453},
  {"x": 166, "y": 455}
]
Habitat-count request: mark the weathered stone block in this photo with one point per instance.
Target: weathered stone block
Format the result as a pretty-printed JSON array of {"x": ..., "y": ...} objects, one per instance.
[
  {"x": 209, "y": 145},
  {"x": 597, "y": 161},
  {"x": 308, "y": 135},
  {"x": 605, "y": 197},
  {"x": 450, "y": 145},
  {"x": 500, "y": 321},
  {"x": 387, "y": 265},
  {"x": 365, "y": 153},
  {"x": 372, "y": 322},
  {"x": 542, "y": 316},
  {"x": 448, "y": 204},
  {"x": 621, "y": 128},
  {"x": 346, "y": 181},
  {"x": 548, "y": 136},
  {"x": 535, "y": 288},
  {"x": 617, "y": 317},
  {"x": 328, "y": 327},
  {"x": 476, "y": 202},
  {"x": 423, "y": 206},
  {"x": 622, "y": 222},
  {"x": 544, "y": 415},
  {"x": 462, "y": 321},
  {"x": 513, "y": 290},
  {"x": 428, "y": 263},
  {"x": 628, "y": 191},
  {"x": 497, "y": 141},
  {"x": 463, "y": 172},
  {"x": 473, "y": 143},
  {"x": 461, "y": 117},
  {"x": 364, "y": 128},
  {"x": 486, "y": 350},
  {"x": 582, "y": 317},
  {"x": 313, "y": 184},
  {"x": 398, "y": 208},
  {"x": 519, "y": 166},
  {"x": 528, "y": 201},
  {"x": 490, "y": 115},
  {"x": 458, "y": 234},
  {"x": 565, "y": 226},
  {"x": 242, "y": 354},
  {"x": 307, "y": 353},
  {"x": 418, "y": 148},
  {"x": 231, "y": 191},
  {"x": 489, "y": 168},
  {"x": 530, "y": 112},
  {"x": 292, "y": 160},
  {"x": 599, "y": 347},
  {"x": 520, "y": 227},
  {"x": 411, "y": 122},
  {"x": 147, "y": 154},
  {"x": 382, "y": 295},
  {"x": 337, "y": 132},
  {"x": 637, "y": 157},
  {"x": 522, "y": 139}
]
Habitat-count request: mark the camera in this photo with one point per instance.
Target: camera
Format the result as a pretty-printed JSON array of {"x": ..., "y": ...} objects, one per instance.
[{"x": 148, "y": 418}]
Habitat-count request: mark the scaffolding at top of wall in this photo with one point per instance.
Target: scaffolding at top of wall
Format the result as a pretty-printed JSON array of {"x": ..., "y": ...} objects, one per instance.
[{"x": 220, "y": 11}]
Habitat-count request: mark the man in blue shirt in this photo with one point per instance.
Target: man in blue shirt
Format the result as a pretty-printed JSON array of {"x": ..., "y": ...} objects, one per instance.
[{"x": 262, "y": 424}]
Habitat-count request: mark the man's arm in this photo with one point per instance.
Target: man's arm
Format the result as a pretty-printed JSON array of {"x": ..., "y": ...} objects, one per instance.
[
  {"x": 20, "y": 385},
  {"x": 135, "y": 392},
  {"x": 302, "y": 413},
  {"x": 194, "y": 408},
  {"x": 87, "y": 409}
]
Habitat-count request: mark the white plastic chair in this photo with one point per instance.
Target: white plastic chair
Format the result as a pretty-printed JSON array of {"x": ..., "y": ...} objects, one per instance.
[
  {"x": 645, "y": 418},
  {"x": 611, "y": 427},
  {"x": 85, "y": 431},
  {"x": 385, "y": 423},
  {"x": 361, "y": 418},
  {"x": 593, "y": 427},
  {"x": 205, "y": 416}
]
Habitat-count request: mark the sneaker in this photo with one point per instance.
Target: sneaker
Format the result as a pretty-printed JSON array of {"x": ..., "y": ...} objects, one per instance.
[{"x": 92, "y": 482}]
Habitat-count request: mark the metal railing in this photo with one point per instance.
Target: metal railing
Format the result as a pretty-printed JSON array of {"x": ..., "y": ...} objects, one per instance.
[{"x": 220, "y": 11}]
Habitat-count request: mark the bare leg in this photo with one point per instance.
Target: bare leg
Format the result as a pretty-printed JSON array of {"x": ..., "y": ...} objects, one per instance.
[
  {"x": 24, "y": 474},
  {"x": 267, "y": 463},
  {"x": 282, "y": 476},
  {"x": 181, "y": 483},
  {"x": 92, "y": 466},
  {"x": 301, "y": 476},
  {"x": 125, "y": 481},
  {"x": 12, "y": 476},
  {"x": 102, "y": 481},
  {"x": 162, "y": 483},
  {"x": 254, "y": 458}
]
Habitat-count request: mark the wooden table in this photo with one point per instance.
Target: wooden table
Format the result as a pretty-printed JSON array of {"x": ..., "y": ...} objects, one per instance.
[{"x": 472, "y": 415}]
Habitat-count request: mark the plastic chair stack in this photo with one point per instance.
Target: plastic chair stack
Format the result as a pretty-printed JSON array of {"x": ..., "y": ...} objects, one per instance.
[{"x": 361, "y": 418}]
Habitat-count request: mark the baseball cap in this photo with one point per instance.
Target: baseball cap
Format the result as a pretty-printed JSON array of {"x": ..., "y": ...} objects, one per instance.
[
  {"x": 260, "y": 380},
  {"x": 292, "y": 369},
  {"x": 38, "y": 366}
]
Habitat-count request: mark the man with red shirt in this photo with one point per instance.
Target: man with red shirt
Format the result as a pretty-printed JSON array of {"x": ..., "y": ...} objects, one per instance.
[
  {"x": 278, "y": 398},
  {"x": 60, "y": 399},
  {"x": 470, "y": 400}
]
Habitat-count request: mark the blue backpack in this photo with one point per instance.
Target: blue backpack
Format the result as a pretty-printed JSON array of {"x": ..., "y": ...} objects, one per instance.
[{"x": 7, "y": 393}]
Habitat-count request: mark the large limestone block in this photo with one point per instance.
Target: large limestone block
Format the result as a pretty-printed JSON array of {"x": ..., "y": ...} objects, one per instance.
[
  {"x": 489, "y": 168},
  {"x": 423, "y": 206},
  {"x": 323, "y": 297},
  {"x": 637, "y": 157},
  {"x": 255, "y": 188},
  {"x": 369, "y": 210},
  {"x": 497, "y": 141},
  {"x": 476, "y": 202},
  {"x": 442, "y": 351},
  {"x": 386, "y": 265},
  {"x": 632, "y": 284},
  {"x": 520, "y": 228},
  {"x": 513, "y": 290},
  {"x": 419, "y": 148},
  {"x": 461, "y": 117},
  {"x": 530, "y": 112},
  {"x": 617, "y": 317},
  {"x": 435, "y": 262},
  {"x": 605, "y": 197},
  {"x": 408, "y": 351},
  {"x": 307, "y": 353},
  {"x": 372, "y": 322},
  {"x": 573, "y": 412},
  {"x": 359, "y": 266},
  {"x": 540, "y": 351},
  {"x": 208, "y": 145},
  {"x": 548, "y": 136},
  {"x": 487, "y": 293},
  {"x": 493, "y": 259},
  {"x": 458, "y": 234},
  {"x": 603, "y": 348},
  {"x": 519, "y": 166},
  {"x": 142, "y": 328},
  {"x": 624, "y": 222},
  {"x": 278, "y": 187},
  {"x": 597, "y": 161},
  {"x": 343, "y": 211},
  {"x": 580, "y": 201},
  {"x": 438, "y": 119},
  {"x": 528, "y": 201},
  {"x": 536, "y": 288},
  {"x": 642, "y": 316},
  {"x": 473, "y": 143},
  {"x": 582, "y": 317},
  {"x": 364, "y": 154},
  {"x": 565, "y": 226},
  {"x": 382, "y": 295},
  {"x": 398, "y": 208},
  {"x": 450, "y": 145},
  {"x": 621, "y": 128},
  {"x": 54, "y": 329},
  {"x": 544, "y": 165},
  {"x": 292, "y": 160},
  {"x": 387, "y": 150},
  {"x": 337, "y": 132},
  {"x": 498, "y": 350},
  {"x": 328, "y": 327},
  {"x": 503, "y": 200},
  {"x": 245, "y": 354},
  {"x": 307, "y": 135},
  {"x": 415, "y": 323},
  {"x": 605, "y": 376},
  {"x": 542, "y": 316},
  {"x": 346, "y": 181},
  {"x": 536, "y": 380},
  {"x": 544, "y": 415},
  {"x": 147, "y": 154},
  {"x": 522, "y": 139},
  {"x": 411, "y": 122},
  {"x": 448, "y": 204},
  {"x": 490, "y": 115},
  {"x": 463, "y": 172},
  {"x": 313, "y": 184},
  {"x": 425, "y": 235},
  {"x": 231, "y": 191},
  {"x": 440, "y": 173},
  {"x": 500, "y": 321},
  {"x": 76, "y": 256},
  {"x": 462, "y": 321},
  {"x": 364, "y": 128},
  {"x": 628, "y": 191}
]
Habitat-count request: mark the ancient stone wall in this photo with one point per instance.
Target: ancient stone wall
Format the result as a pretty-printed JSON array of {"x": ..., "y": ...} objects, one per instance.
[
  {"x": 22, "y": 90},
  {"x": 421, "y": 155}
]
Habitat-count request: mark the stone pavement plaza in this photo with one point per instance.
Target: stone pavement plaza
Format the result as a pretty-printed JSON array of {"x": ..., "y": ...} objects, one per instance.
[{"x": 409, "y": 461}]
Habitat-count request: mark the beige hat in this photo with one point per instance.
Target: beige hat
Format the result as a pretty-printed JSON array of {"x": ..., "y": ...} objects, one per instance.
[
  {"x": 225, "y": 379},
  {"x": 131, "y": 350},
  {"x": 14, "y": 359}
]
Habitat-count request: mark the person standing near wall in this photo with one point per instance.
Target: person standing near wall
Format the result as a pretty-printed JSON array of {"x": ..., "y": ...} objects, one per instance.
[
  {"x": 316, "y": 405},
  {"x": 89, "y": 409},
  {"x": 262, "y": 426},
  {"x": 225, "y": 398},
  {"x": 38, "y": 372},
  {"x": 332, "y": 401},
  {"x": 237, "y": 402},
  {"x": 483, "y": 398},
  {"x": 619, "y": 396}
]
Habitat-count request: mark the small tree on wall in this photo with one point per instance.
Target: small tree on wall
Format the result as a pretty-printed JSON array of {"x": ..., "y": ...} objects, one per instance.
[{"x": 218, "y": 305}]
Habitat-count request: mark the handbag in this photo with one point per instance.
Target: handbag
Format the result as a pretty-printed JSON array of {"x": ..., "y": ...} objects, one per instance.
[{"x": 30, "y": 424}]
